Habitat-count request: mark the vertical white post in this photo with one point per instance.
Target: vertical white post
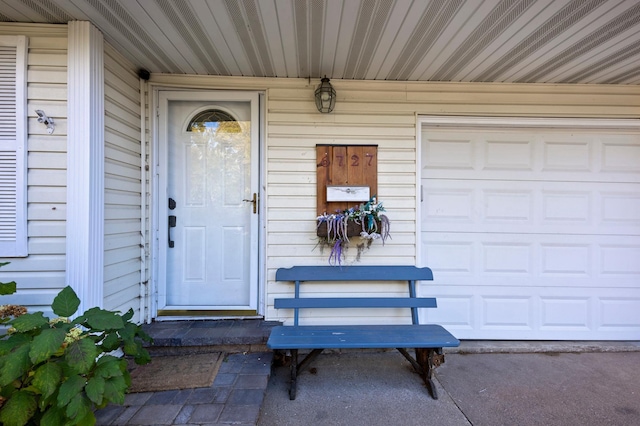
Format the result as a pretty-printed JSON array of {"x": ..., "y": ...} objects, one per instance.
[{"x": 85, "y": 164}]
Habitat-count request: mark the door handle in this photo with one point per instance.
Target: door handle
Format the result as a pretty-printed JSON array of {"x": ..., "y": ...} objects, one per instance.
[
  {"x": 172, "y": 224},
  {"x": 254, "y": 201}
]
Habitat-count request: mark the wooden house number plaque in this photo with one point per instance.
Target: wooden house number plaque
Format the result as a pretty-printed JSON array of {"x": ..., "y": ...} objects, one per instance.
[{"x": 347, "y": 176}]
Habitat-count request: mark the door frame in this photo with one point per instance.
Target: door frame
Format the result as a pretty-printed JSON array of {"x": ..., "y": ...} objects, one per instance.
[{"x": 157, "y": 208}]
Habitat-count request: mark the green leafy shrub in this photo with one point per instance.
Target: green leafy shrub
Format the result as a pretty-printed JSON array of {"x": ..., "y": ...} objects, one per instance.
[{"x": 57, "y": 372}]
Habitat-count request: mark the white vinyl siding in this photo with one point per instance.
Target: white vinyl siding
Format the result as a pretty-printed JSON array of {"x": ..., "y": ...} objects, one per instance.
[
  {"x": 13, "y": 157},
  {"x": 382, "y": 113},
  {"x": 41, "y": 275},
  {"x": 123, "y": 199},
  {"x": 293, "y": 131}
]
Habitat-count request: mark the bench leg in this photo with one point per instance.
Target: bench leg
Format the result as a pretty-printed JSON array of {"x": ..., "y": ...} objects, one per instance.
[
  {"x": 429, "y": 359},
  {"x": 296, "y": 368},
  {"x": 293, "y": 383},
  {"x": 426, "y": 360}
]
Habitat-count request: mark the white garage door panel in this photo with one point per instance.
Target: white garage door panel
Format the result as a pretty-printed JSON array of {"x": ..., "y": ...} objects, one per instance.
[
  {"x": 533, "y": 260},
  {"x": 577, "y": 156},
  {"x": 535, "y": 313},
  {"x": 531, "y": 206},
  {"x": 532, "y": 233}
]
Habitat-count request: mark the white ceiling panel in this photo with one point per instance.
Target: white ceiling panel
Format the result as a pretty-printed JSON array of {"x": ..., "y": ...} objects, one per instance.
[
  {"x": 541, "y": 41},
  {"x": 453, "y": 36},
  {"x": 269, "y": 16},
  {"x": 400, "y": 28},
  {"x": 287, "y": 37},
  {"x": 219, "y": 24},
  {"x": 508, "y": 33},
  {"x": 347, "y": 19},
  {"x": 207, "y": 17},
  {"x": 397, "y": 17},
  {"x": 330, "y": 37},
  {"x": 171, "y": 37}
]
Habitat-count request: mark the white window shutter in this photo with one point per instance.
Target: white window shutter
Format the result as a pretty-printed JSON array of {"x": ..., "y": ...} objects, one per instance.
[{"x": 13, "y": 146}]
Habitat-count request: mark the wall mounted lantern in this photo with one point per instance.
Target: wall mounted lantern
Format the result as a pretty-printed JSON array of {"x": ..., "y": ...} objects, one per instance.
[{"x": 325, "y": 96}]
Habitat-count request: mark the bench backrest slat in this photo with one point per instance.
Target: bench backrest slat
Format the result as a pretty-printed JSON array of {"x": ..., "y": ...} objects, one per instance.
[
  {"x": 354, "y": 273},
  {"x": 299, "y": 274},
  {"x": 356, "y": 302}
]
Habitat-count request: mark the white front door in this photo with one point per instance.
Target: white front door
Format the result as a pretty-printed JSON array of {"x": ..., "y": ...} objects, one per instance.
[{"x": 208, "y": 192}]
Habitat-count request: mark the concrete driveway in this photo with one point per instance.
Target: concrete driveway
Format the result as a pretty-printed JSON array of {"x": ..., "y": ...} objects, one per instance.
[{"x": 379, "y": 388}]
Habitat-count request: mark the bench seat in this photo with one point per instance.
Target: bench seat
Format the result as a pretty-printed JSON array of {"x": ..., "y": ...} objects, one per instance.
[{"x": 361, "y": 336}]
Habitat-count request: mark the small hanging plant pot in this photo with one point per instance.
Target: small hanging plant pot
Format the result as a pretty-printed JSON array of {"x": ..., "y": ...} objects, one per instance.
[
  {"x": 366, "y": 222},
  {"x": 354, "y": 229}
]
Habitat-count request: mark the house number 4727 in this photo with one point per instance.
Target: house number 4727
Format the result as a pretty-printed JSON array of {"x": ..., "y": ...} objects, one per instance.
[{"x": 355, "y": 160}]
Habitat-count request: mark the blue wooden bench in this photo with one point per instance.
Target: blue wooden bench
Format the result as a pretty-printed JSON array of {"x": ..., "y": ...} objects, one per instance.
[{"x": 426, "y": 339}]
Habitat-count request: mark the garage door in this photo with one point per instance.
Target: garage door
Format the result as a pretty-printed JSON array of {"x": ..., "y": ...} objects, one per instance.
[{"x": 532, "y": 229}]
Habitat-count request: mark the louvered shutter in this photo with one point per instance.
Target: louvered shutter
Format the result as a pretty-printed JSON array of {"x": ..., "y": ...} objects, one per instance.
[{"x": 13, "y": 221}]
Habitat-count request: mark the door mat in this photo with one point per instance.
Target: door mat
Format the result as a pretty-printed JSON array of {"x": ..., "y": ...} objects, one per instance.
[{"x": 176, "y": 372}]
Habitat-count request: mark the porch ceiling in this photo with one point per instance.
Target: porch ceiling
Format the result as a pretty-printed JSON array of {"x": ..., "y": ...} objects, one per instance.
[{"x": 541, "y": 41}]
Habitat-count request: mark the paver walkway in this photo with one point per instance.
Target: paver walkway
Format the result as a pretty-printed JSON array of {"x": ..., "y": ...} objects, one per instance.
[{"x": 234, "y": 397}]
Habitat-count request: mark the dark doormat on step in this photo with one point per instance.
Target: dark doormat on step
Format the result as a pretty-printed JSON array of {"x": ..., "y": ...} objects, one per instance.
[{"x": 176, "y": 372}]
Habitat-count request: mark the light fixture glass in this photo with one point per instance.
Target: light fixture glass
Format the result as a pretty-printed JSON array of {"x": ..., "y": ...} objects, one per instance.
[{"x": 325, "y": 96}]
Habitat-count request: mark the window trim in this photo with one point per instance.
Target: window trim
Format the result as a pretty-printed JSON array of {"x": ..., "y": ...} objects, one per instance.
[{"x": 19, "y": 247}]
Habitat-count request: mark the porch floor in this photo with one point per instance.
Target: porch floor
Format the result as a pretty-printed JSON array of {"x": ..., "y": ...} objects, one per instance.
[{"x": 234, "y": 397}]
